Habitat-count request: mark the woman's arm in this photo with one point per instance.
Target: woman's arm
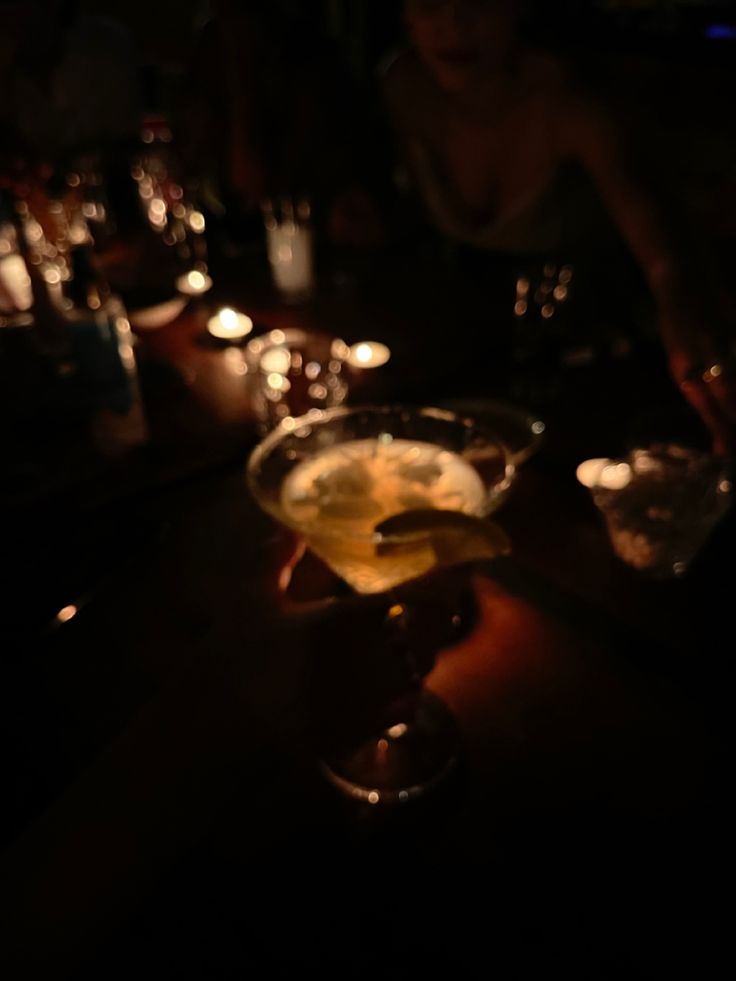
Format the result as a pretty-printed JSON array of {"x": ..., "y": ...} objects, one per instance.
[{"x": 694, "y": 327}]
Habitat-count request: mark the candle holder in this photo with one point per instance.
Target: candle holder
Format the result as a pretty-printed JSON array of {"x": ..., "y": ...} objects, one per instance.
[
  {"x": 194, "y": 283},
  {"x": 228, "y": 326},
  {"x": 293, "y": 371},
  {"x": 369, "y": 354}
]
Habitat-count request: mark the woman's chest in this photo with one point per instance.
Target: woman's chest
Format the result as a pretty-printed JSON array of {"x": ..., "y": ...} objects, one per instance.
[{"x": 493, "y": 163}]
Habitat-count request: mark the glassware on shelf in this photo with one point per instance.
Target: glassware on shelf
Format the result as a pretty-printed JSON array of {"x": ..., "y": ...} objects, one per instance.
[
  {"x": 87, "y": 188},
  {"x": 383, "y": 495},
  {"x": 170, "y": 207}
]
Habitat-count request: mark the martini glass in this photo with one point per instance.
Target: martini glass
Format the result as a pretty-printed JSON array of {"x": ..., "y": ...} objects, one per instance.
[{"x": 383, "y": 495}]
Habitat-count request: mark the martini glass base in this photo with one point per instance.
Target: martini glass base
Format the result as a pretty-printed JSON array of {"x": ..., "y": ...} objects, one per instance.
[{"x": 402, "y": 763}]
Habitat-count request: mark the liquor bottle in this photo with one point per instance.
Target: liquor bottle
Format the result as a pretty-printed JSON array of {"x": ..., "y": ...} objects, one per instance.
[{"x": 101, "y": 350}]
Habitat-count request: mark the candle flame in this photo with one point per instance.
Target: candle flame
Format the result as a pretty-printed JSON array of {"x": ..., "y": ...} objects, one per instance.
[
  {"x": 66, "y": 614},
  {"x": 228, "y": 318}
]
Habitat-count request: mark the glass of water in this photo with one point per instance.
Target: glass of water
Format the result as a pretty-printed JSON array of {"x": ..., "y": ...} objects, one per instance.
[
  {"x": 290, "y": 247},
  {"x": 293, "y": 371},
  {"x": 660, "y": 504}
]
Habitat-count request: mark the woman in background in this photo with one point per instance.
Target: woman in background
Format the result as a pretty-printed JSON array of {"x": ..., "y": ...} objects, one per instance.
[{"x": 510, "y": 156}]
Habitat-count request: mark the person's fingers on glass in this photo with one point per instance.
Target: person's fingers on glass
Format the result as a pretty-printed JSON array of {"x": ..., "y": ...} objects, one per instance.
[
  {"x": 356, "y": 660},
  {"x": 708, "y": 382}
]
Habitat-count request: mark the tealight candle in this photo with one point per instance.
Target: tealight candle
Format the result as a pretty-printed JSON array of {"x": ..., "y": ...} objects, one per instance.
[
  {"x": 229, "y": 325},
  {"x": 368, "y": 354},
  {"x": 194, "y": 283},
  {"x": 609, "y": 474}
]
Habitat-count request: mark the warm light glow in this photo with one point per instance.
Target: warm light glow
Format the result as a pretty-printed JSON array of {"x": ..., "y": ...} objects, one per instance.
[
  {"x": 229, "y": 325},
  {"x": 66, "y": 614},
  {"x": 317, "y": 392},
  {"x": 604, "y": 473},
  {"x": 277, "y": 359},
  {"x": 197, "y": 222},
  {"x": 340, "y": 350},
  {"x": 374, "y": 797},
  {"x": 194, "y": 283},
  {"x": 396, "y": 732},
  {"x": 589, "y": 472},
  {"x": 278, "y": 382},
  {"x": 616, "y": 476},
  {"x": 369, "y": 354},
  {"x": 229, "y": 318},
  {"x": 396, "y": 611},
  {"x": 234, "y": 361}
]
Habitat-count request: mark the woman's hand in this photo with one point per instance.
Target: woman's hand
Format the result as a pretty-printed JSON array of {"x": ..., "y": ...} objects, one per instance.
[
  {"x": 331, "y": 670},
  {"x": 697, "y": 336},
  {"x": 703, "y": 363}
]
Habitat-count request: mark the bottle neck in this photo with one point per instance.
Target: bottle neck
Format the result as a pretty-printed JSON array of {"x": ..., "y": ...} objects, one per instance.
[{"x": 87, "y": 290}]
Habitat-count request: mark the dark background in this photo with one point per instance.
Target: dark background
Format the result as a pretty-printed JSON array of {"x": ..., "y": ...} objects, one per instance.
[{"x": 671, "y": 64}]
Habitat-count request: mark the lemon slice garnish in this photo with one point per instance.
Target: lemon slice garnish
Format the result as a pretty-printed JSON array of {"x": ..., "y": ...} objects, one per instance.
[{"x": 454, "y": 537}]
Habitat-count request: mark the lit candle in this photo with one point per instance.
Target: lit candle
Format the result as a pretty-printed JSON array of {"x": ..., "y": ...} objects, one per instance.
[
  {"x": 609, "y": 474},
  {"x": 368, "y": 354},
  {"x": 194, "y": 283},
  {"x": 229, "y": 325}
]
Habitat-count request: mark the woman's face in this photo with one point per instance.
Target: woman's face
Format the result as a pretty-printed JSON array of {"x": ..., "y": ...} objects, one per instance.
[{"x": 462, "y": 41}]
